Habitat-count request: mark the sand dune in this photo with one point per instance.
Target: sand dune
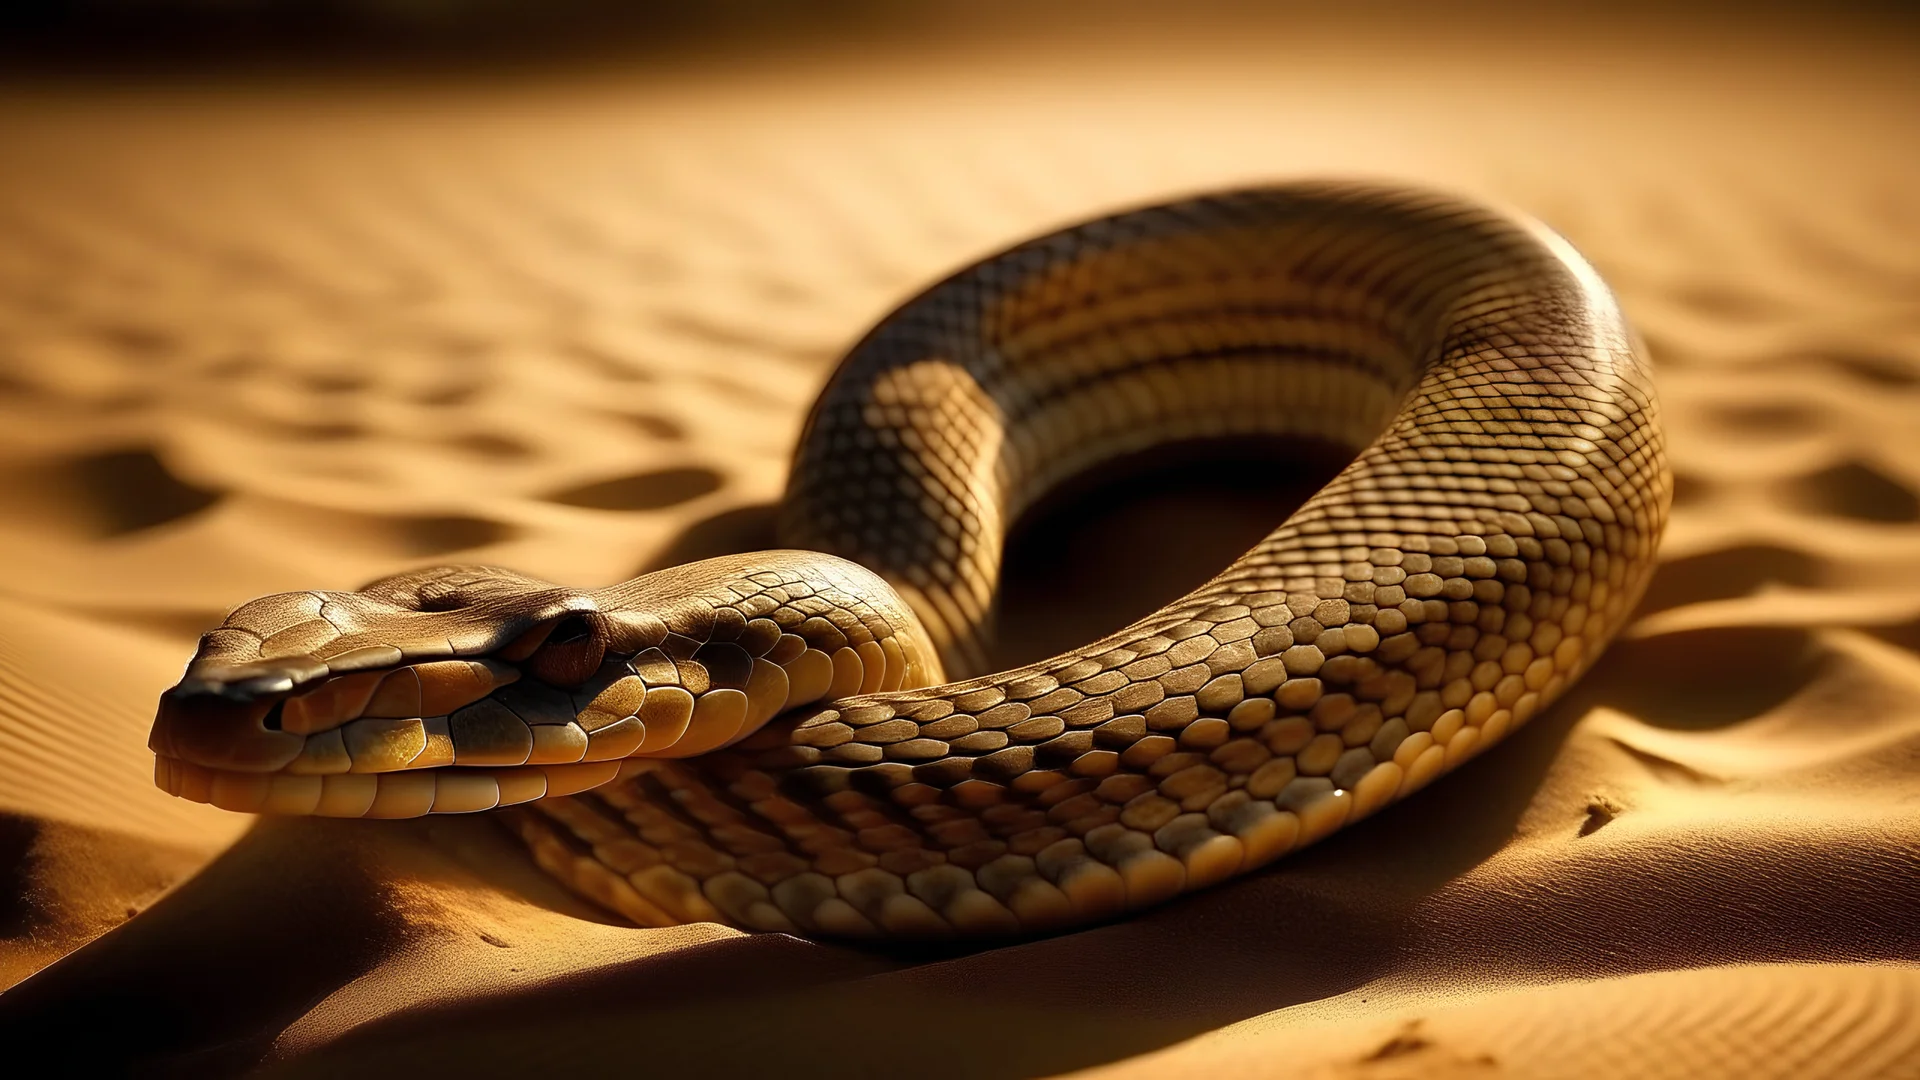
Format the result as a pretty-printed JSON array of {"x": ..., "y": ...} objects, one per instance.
[{"x": 305, "y": 336}]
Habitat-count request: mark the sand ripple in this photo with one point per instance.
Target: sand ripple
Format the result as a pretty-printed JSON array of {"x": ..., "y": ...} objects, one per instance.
[{"x": 256, "y": 342}]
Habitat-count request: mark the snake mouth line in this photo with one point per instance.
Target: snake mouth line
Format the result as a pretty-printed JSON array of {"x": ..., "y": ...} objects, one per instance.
[{"x": 451, "y": 789}]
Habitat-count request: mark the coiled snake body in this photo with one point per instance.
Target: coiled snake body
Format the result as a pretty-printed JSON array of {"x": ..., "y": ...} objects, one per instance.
[{"x": 770, "y": 739}]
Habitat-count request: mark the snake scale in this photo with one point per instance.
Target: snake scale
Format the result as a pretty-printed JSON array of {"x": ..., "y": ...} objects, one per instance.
[{"x": 774, "y": 741}]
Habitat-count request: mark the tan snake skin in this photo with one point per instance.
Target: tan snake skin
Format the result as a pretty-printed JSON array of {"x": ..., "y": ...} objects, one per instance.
[{"x": 1497, "y": 525}]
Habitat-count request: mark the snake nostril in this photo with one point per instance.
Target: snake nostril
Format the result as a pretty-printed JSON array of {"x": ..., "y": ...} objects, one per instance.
[
  {"x": 271, "y": 721},
  {"x": 572, "y": 652}
]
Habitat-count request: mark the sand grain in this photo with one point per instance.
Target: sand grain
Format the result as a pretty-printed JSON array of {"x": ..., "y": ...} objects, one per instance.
[{"x": 256, "y": 342}]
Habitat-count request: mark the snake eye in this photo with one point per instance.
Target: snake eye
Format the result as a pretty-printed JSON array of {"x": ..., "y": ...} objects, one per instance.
[{"x": 572, "y": 652}]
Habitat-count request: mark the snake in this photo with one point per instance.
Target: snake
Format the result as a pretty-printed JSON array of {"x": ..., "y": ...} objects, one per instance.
[{"x": 811, "y": 741}]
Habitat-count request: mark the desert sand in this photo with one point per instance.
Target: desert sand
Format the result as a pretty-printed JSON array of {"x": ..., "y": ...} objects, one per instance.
[{"x": 308, "y": 332}]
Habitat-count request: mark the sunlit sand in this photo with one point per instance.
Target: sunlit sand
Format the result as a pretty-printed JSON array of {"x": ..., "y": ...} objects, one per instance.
[{"x": 304, "y": 337}]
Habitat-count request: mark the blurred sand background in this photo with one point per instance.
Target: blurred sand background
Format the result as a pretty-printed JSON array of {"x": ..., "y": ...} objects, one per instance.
[{"x": 298, "y": 323}]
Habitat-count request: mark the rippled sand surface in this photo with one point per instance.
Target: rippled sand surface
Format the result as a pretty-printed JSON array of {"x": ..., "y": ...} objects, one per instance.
[{"x": 303, "y": 335}]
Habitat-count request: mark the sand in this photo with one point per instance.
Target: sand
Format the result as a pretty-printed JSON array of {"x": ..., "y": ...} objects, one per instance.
[{"x": 312, "y": 332}]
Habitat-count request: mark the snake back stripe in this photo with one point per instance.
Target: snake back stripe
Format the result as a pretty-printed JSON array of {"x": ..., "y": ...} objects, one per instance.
[{"x": 773, "y": 740}]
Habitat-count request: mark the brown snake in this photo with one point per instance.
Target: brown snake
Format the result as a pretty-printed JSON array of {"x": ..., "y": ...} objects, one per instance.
[{"x": 1496, "y": 526}]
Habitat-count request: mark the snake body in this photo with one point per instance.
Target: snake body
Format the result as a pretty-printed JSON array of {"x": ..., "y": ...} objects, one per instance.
[{"x": 772, "y": 740}]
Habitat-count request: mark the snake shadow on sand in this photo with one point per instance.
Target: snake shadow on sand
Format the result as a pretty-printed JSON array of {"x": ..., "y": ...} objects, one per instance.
[{"x": 216, "y": 978}]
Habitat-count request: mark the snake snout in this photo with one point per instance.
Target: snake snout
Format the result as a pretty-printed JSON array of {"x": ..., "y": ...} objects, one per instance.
[{"x": 203, "y": 723}]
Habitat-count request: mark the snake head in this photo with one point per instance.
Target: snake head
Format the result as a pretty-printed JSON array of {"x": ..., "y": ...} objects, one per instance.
[
  {"x": 298, "y": 694},
  {"x": 463, "y": 688}
]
